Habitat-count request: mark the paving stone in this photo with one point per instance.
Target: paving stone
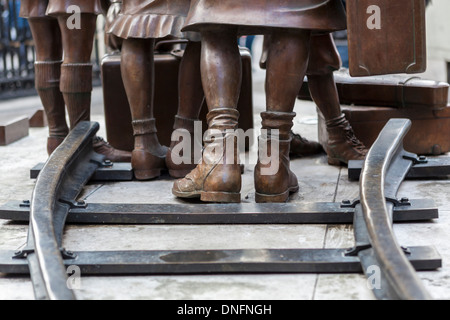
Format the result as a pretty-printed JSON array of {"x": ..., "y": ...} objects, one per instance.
[{"x": 226, "y": 287}]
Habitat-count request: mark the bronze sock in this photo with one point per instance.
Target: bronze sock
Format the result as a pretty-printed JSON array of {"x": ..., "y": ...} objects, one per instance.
[{"x": 76, "y": 86}]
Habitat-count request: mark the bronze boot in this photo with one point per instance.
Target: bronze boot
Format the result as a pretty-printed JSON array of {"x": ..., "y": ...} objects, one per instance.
[
  {"x": 342, "y": 144},
  {"x": 178, "y": 162},
  {"x": 218, "y": 177},
  {"x": 148, "y": 158},
  {"x": 53, "y": 143},
  {"x": 301, "y": 147},
  {"x": 110, "y": 153},
  {"x": 274, "y": 180}
]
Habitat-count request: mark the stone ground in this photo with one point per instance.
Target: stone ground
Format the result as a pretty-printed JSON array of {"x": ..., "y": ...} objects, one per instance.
[{"x": 318, "y": 182}]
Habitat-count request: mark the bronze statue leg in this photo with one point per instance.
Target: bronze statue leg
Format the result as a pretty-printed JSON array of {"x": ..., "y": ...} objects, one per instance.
[
  {"x": 287, "y": 62},
  {"x": 221, "y": 68},
  {"x": 191, "y": 98},
  {"x": 324, "y": 92},
  {"x": 300, "y": 146},
  {"x": 286, "y": 67},
  {"x": 137, "y": 65},
  {"x": 49, "y": 47},
  {"x": 47, "y": 74},
  {"x": 342, "y": 144},
  {"x": 76, "y": 70},
  {"x": 76, "y": 78},
  {"x": 218, "y": 177},
  {"x": 190, "y": 82}
]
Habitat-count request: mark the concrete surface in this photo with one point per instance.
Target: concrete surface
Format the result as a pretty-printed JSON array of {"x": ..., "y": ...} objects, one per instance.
[{"x": 318, "y": 182}]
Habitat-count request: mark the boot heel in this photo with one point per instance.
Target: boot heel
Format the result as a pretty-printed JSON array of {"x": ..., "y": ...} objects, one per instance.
[
  {"x": 272, "y": 198},
  {"x": 334, "y": 162},
  {"x": 220, "y": 197},
  {"x": 146, "y": 166},
  {"x": 147, "y": 174}
]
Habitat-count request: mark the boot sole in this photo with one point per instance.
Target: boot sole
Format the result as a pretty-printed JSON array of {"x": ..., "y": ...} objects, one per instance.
[
  {"x": 220, "y": 197},
  {"x": 275, "y": 198},
  {"x": 147, "y": 174},
  {"x": 188, "y": 195},
  {"x": 336, "y": 162},
  {"x": 179, "y": 174}
]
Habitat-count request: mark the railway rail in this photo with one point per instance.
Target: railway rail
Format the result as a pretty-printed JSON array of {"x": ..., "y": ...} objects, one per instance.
[{"x": 61, "y": 179}]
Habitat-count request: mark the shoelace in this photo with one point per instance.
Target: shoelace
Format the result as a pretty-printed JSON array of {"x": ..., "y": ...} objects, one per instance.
[
  {"x": 100, "y": 140},
  {"x": 350, "y": 135},
  {"x": 348, "y": 131}
]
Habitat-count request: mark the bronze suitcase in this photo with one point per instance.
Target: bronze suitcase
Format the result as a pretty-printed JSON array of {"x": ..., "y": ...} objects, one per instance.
[
  {"x": 369, "y": 103},
  {"x": 429, "y": 133},
  {"x": 119, "y": 130},
  {"x": 386, "y": 36},
  {"x": 387, "y": 91}
]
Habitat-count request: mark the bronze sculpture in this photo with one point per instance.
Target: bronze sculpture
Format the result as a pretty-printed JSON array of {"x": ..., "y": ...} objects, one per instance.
[
  {"x": 69, "y": 81},
  {"x": 139, "y": 24},
  {"x": 342, "y": 144},
  {"x": 290, "y": 25}
]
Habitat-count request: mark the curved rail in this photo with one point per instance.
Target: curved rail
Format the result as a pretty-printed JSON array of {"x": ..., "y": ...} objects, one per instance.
[
  {"x": 72, "y": 165},
  {"x": 386, "y": 165},
  {"x": 55, "y": 192}
]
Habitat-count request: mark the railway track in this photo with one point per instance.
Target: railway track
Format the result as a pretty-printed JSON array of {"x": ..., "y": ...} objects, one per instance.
[{"x": 62, "y": 178}]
